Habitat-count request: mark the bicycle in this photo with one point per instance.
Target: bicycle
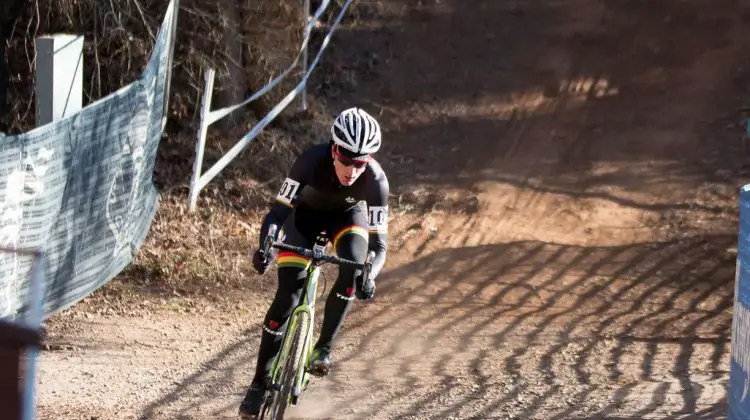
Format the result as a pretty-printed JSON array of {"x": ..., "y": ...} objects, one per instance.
[{"x": 289, "y": 376}]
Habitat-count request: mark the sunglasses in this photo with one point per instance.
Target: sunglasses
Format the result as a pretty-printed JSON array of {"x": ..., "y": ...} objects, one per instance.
[{"x": 346, "y": 161}]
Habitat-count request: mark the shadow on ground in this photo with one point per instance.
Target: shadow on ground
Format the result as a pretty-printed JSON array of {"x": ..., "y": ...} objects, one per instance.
[
  {"x": 637, "y": 331},
  {"x": 640, "y": 330}
]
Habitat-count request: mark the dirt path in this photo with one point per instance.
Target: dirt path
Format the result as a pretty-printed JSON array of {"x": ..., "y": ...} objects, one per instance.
[{"x": 565, "y": 179}]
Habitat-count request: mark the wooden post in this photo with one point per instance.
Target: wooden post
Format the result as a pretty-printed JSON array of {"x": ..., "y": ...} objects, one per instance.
[{"x": 15, "y": 339}]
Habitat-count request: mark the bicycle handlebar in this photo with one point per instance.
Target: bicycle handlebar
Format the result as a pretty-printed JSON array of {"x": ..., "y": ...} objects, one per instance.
[
  {"x": 317, "y": 255},
  {"x": 271, "y": 242}
]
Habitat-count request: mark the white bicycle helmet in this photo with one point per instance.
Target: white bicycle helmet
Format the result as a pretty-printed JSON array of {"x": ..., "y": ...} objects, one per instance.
[{"x": 356, "y": 131}]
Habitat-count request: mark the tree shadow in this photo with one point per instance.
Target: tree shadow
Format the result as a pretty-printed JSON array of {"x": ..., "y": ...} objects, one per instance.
[
  {"x": 537, "y": 330},
  {"x": 637, "y": 330}
]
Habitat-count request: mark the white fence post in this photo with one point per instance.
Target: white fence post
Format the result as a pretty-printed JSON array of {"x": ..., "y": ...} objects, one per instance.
[
  {"x": 202, "y": 132},
  {"x": 173, "y": 41},
  {"x": 198, "y": 181},
  {"x": 307, "y": 31},
  {"x": 35, "y": 298},
  {"x": 739, "y": 363},
  {"x": 59, "y": 77}
]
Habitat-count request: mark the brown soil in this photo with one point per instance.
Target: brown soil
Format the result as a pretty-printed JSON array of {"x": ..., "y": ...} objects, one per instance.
[{"x": 565, "y": 180}]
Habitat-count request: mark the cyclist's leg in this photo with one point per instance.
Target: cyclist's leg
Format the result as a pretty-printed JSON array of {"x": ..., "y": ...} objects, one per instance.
[
  {"x": 350, "y": 239},
  {"x": 291, "y": 275}
]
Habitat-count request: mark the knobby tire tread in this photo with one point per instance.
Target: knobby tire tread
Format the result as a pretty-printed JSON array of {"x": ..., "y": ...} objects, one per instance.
[{"x": 290, "y": 369}]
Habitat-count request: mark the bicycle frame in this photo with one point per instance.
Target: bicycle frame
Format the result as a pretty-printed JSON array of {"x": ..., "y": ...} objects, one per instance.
[{"x": 306, "y": 304}]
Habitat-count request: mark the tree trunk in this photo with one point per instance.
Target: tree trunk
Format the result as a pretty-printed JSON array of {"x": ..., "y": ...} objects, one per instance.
[{"x": 10, "y": 11}]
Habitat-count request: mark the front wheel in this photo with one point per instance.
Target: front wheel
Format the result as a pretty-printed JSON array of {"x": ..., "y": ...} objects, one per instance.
[{"x": 290, "y": 366}]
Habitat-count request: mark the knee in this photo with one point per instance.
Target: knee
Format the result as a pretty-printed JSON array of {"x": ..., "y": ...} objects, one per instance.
[{"x": 352, "y": 246}]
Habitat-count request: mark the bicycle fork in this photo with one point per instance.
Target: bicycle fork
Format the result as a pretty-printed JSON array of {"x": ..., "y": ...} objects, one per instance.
[{"x": 302, "y": 378}]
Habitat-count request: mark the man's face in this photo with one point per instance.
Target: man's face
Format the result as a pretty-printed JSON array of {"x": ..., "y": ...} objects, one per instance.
[{"x": 347, "y": 169}]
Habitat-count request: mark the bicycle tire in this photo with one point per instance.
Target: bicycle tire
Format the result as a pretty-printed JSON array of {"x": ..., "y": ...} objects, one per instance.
[{"x": 290, "y": 367}]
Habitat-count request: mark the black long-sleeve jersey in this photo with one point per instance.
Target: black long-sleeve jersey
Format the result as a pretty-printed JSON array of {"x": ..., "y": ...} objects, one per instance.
[{"x": 312, "y": 182}]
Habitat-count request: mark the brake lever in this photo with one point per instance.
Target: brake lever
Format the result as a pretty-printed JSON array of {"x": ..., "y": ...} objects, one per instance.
[
  {"x": 268, "y": 243},
  {"x": 368, "y": 265}
]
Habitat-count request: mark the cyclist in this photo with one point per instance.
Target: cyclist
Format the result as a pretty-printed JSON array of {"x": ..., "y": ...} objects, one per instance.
[{"x": 336, "y": 187}]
